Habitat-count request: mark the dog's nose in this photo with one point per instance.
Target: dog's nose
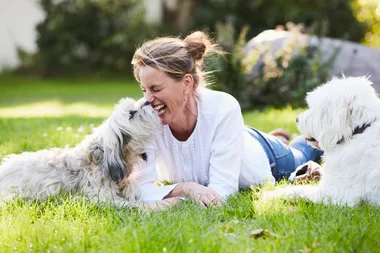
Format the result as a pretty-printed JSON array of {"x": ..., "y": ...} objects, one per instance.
[
  {"x": 145, "y": 104},
  {"x": 297, "y": 119}
]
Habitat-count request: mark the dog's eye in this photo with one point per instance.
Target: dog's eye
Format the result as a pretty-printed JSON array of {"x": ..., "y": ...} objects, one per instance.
[{"x": 131, "y": 114}]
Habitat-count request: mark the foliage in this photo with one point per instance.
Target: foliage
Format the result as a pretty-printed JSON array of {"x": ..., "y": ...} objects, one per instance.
[
  {"x": 324, "y": 17},
  {"x": 260, "y": 78},
  {"x": 368, "y": 12},
  {"x": 79, "y": 35}
]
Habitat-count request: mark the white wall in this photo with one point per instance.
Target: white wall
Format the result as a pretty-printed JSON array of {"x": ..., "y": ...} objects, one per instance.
[
  {"x": 18, "y": 19},
  {"x": 154, "y": 10}
]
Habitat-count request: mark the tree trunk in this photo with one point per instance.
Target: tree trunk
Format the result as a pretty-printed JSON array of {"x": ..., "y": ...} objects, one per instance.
[{"x": 178, "y": 14}]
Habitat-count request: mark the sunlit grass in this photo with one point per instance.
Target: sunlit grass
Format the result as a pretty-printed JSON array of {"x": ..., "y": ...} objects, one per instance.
[
  {"x": 53, "y": 109},
  {"x": 30, "y": 134},
  {"x": 37, "y": 114},
  {"x": 270, "y": 119},
  {"x": 67, "y": 224}
]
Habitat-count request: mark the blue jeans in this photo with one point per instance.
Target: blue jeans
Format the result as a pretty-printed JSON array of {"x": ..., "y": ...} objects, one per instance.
[{"x": 284, "y": 159}]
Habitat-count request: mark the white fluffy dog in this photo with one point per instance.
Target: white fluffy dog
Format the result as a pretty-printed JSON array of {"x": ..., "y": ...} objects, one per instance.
[
  {"x": 98, "y": 167},
  {"x": 343, "y": 120}
]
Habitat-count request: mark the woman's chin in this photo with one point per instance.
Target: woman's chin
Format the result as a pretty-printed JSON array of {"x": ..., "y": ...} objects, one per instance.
[{"x": 163, "y": 119}]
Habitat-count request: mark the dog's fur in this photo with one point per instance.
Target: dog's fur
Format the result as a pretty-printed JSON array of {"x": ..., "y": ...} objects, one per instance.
[
  {"x": 343, "y": 120},
  {"x": 98, "y": 167}
]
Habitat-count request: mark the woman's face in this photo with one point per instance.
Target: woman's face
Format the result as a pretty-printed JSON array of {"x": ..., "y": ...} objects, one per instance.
[{"x": 165, "y": 94}]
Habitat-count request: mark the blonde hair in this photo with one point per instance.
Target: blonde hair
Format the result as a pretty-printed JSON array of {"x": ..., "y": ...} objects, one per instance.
[{"x": 176, "y": 57}]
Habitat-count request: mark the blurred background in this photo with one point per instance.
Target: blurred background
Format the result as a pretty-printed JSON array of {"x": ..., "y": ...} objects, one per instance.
[{"x": 277, "y": 49}]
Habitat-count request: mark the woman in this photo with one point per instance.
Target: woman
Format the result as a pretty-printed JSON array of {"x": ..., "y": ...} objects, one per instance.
[{"x": 204, "y": 148}]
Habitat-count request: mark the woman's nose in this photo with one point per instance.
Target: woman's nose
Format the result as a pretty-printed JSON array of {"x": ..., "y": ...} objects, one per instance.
[{"x": 148, "y": 97}]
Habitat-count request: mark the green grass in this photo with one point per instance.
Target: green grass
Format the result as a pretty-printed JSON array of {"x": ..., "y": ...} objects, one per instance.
[{"x": 36, "y": 114}]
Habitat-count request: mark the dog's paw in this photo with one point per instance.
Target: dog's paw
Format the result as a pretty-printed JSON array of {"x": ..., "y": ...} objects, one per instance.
[
  {"x": 278, "y": 192},
  {"x": 310, "y": 192}
]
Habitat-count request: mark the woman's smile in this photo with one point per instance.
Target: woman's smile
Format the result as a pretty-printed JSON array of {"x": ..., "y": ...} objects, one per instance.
[{"x": 160, "y": 109}]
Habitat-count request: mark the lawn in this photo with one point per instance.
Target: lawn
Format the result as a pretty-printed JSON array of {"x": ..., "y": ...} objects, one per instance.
[{"x": 37, "y": 114}]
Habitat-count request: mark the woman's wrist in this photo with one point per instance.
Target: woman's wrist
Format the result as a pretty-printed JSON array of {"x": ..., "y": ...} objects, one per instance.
[
  {"x": 180, "y": 190},
  {"x": 176, "y": 192}
]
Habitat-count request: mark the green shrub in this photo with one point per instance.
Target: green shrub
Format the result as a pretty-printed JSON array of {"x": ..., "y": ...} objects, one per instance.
[
  {"x": 86, "y": 35},
  {"x": 281, "y": 80},
  {"x": 367, "y": 12},
  {"x": 334, "y": 19}
]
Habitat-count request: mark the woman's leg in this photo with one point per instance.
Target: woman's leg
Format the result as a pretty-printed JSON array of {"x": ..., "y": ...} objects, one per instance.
[
  {"x": 279, "y": 154},
  {"x": 285, "y": 159},
  {"x": 303, "y": 152}
]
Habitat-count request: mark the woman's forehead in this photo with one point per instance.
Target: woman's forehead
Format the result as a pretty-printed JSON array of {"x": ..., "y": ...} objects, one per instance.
[{"x": 150, "y": 76}]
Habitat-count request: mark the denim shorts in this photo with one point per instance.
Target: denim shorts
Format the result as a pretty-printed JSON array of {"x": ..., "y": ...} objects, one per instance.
[{"x": 284, "y": 159}]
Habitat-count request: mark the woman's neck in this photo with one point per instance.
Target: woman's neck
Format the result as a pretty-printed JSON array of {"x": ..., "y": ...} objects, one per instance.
[{"x": 185, "y": 123}]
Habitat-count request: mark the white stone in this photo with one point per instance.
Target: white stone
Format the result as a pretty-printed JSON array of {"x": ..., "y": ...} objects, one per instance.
[{"x": 352, "y": 59}]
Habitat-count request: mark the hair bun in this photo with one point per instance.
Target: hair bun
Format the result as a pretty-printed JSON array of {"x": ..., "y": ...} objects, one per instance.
[{"x": 197, "y": 44}]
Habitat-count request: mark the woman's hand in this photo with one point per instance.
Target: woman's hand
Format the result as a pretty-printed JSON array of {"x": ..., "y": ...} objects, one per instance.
[{"x": 202, "y": 195}]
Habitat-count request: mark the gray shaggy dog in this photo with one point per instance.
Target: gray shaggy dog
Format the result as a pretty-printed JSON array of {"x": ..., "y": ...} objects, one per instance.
[{"x": 98, "y": 167}]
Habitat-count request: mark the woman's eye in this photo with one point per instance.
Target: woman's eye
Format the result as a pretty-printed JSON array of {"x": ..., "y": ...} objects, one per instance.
[{"x": 131, "y": 114}]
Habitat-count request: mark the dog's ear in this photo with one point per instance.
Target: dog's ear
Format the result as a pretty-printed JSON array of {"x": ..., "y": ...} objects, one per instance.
[
  {"x": 115, "y": 137},
  {"x": 114, "y": 148},
  {"x": 336, "y": 124}
]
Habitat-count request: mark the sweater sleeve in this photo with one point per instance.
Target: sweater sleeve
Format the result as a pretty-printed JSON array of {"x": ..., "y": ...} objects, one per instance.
[
  {"x": 226, "y": 151},
  {"x": 145, "y": 176}
]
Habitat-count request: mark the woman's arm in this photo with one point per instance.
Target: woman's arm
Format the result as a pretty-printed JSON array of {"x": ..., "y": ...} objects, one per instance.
[
  {"x": 156, "y": 197},
  {"x": 227, "y": 151},
  {"x": 225, "y": 160},
  {"x": 145, "y": 177}
]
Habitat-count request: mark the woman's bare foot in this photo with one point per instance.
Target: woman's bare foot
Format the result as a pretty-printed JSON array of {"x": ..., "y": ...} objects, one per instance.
[{"x": 281, "y": 134}]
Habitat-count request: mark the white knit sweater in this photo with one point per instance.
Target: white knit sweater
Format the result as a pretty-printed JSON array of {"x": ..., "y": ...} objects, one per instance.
[{"x": 219, "y": 154}]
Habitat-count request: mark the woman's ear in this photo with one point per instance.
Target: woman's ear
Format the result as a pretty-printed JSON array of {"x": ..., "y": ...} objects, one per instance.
[{"x": 189, "y": 81}]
